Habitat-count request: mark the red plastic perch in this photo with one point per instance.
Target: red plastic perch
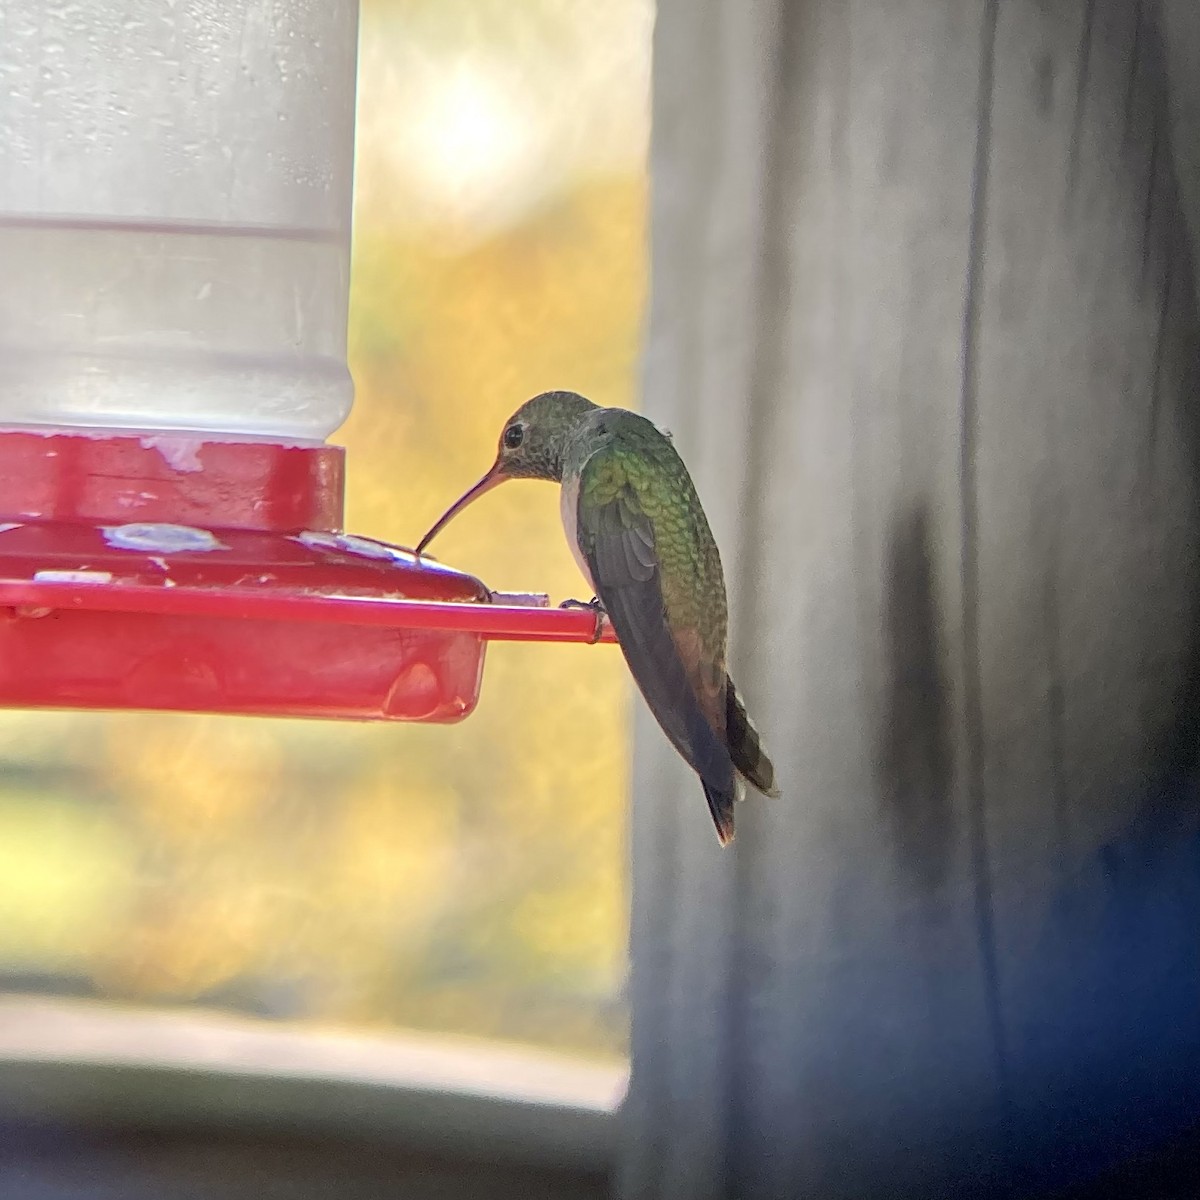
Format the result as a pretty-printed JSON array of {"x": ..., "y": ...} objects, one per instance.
[{"x": 490, "y": 621}]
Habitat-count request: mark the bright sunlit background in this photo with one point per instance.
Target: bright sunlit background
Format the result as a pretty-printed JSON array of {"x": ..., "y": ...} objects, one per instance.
[{"x": 469, "y": 878}]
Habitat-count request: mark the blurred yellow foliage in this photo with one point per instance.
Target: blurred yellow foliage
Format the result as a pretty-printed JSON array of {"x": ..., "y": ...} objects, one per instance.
[{"x": 467, "y": 878}]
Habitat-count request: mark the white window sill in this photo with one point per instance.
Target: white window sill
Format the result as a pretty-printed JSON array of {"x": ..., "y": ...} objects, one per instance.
[{"x": 84, "y": 1062}]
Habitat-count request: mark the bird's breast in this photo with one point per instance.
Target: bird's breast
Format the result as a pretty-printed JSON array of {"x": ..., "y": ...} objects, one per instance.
[{"x": 568, "y": 505}]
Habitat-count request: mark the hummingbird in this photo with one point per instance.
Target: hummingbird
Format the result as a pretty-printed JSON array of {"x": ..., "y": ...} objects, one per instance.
[{"x": 639, "y": 534}]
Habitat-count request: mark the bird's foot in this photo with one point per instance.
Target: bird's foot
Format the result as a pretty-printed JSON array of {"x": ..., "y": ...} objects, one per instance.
[{"x": 597, "y": 609}]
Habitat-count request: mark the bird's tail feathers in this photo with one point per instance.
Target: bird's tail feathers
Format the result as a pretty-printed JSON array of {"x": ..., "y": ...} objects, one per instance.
[
  {"x": 746, "y": 748},
  {"x": 720, "y": 804}
]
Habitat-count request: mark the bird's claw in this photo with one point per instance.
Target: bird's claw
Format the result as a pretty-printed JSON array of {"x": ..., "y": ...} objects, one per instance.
[{"x": 597, "y": 609}]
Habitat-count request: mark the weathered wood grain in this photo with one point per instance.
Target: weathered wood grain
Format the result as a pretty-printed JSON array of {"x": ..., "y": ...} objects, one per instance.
[{"x": 923, "y": 323}]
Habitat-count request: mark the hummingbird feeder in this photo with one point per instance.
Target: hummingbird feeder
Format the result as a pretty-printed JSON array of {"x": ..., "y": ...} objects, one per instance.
[{"x": 172, "y": 358}]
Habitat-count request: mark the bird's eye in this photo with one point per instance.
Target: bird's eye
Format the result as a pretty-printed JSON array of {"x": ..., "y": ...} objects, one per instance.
[{"x": 514, "y": 435}]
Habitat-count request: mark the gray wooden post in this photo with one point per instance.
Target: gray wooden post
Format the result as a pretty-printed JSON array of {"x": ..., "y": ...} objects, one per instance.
[{"x": 923, "y": 323}]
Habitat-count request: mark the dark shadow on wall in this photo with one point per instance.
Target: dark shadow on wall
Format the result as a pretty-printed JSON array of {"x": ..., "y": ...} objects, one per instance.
[{"x": 915, "y": 759}]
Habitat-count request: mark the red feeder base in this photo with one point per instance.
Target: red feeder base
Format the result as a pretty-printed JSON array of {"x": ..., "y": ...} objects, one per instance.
[{"x": 174, "y": 572}]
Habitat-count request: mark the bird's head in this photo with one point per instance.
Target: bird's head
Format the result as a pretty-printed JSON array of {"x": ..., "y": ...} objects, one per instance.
[{"x": 532, "y": 444}]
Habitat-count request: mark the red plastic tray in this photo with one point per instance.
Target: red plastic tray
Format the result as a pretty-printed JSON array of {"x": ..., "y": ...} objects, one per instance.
[{"x": 168, "y": 572}]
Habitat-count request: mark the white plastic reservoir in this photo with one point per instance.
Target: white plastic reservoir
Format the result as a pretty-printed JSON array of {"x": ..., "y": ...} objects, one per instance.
[{"x": 175, "y": 187}]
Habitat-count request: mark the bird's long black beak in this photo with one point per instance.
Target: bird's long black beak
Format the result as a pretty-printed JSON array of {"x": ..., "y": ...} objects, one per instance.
[{"x": 489, "y": 481}]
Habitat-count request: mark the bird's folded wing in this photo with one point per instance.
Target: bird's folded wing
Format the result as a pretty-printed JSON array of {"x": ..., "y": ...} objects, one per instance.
[{"x": 617, "y": 539}]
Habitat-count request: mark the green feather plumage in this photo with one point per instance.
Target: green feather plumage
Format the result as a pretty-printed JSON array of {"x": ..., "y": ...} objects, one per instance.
[{"x": 643, "y": 539}]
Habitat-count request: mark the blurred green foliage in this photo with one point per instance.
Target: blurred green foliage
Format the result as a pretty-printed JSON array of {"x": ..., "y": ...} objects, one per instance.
[{"x": 467, "y": 878}]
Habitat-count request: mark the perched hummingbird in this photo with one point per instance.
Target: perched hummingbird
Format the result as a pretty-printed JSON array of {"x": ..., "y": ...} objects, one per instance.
[{"x": 641, "y": 539}]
